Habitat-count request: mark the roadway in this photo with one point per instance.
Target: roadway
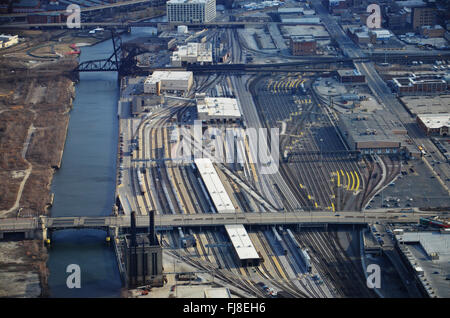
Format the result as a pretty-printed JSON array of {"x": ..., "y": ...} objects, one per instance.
[
  {"x": 86, "y": 9},
  {"x": 216, "y": 219}
]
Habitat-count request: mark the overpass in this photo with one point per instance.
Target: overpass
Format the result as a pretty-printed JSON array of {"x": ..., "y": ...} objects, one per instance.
[
  {"x": 126, "y": 24},
  {"x": 40, "y": 226},
  {"x": 85, "y": 9}
]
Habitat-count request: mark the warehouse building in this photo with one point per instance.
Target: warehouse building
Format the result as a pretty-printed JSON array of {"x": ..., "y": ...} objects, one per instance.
[
  {"x": 424, "y": 83},
  {"x": 191, "y": 11},
  {"x": 217, "y": 109},
  {"x": 168, "y": 81},
  {"x": 372, "y": 133},
  {"x": 145, "y": 103},
  {"x": 350, "y": 76},
  {"x": 434, "y": 124},
  {"x": 192, "y": 53},
  {"x": 303, "y": 45}
]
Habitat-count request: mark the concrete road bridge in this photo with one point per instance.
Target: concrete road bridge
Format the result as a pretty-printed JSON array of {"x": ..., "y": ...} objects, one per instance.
[{"x": 40, "y": 227}]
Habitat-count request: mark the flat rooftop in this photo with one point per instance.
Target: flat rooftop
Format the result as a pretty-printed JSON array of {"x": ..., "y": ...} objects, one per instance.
[
  {"x": 427, "y": 105},
  {"x": 201, "y": 52},
  {"x": 420, "y": 246},
  {"x": 219, "y": 292},
  {"x": 158, "y": 76},
  {"x": 186, "y": 1},
  {"x": 419, "y": 79},
  {"x": 214, "y": 186},
  {"x": 318, "y": 31},
  {"x": 241, "y": 241},
  {"x": 353, "y": 72},
  {"x": 435, "y": 121},
  {"x": 378, "y": 126},
  {"x": 218, "y": 107}
]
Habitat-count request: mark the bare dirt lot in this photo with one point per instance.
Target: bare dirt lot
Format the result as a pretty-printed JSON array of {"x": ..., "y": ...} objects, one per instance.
[
  {"x": 35, "y": 100},
  {"x": 23, "y": 270}
]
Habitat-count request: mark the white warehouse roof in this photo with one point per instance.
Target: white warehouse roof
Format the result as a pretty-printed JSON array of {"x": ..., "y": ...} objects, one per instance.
[
  {"x": 433, "y": 121},
  {"x": 217, "y": 108},
  {"x": 158, "y": 76},
  {"x": 241, "y": 242},
  {"x": 214, "y": 185}
]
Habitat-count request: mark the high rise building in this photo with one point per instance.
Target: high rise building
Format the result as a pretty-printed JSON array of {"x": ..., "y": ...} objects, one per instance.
[
  {"x": 423, "y": 16},
  {"x": 191, "y": 11}
]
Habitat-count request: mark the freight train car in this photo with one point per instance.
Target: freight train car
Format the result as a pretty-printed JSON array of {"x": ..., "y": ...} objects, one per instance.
[{"x": 435, "y": 223}]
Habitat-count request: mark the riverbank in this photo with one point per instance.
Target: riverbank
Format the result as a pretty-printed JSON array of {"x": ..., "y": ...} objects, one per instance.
[
  {"x": 23, "y": 271},
  {"x": 36, "y": 97}
]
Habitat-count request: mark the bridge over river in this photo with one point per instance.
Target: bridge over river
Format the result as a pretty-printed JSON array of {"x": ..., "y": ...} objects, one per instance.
[{"x": 39, "y": 227}]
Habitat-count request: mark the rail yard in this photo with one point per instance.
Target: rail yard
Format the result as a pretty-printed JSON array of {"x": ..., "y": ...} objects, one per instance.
[
  {"x": 259, "y": 114},
  {"x": 318, "y": 171}
]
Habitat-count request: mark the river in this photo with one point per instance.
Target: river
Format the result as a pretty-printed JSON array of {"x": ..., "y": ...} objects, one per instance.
[{"x": 84, "y": 186}]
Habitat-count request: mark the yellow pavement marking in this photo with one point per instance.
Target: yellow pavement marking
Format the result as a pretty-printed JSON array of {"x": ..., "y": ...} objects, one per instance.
[
  {"x": 332, "y": 206},
  {"x": 357, "y": 181},
  {"x": 348, "y": 180},
  {"x": 338, "y": 178},
  {"x": 353, "y": 181},
  {"x": 315, "y": 203}
]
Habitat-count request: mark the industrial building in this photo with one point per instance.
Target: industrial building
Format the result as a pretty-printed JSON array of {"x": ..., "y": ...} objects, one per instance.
[
  {"x": 145, "y": 103},
  {"x": 350, "y": 76},
  {"x": 192, "y": 53},
  {"x": 142, "y": 256},
  {"x": 178, "y": 82},
  {"x": 436, "y": 104},
  {"x": 217, "y": 109},
  {"x": 8, "y": 40},
  {"x": 424, "y": 83},
  {"x": 191, "y": 11},
  {"x": 359, "y": 35},
  {"x": 426, "y": 255},
  {"x": 372, "y": 133},
  {"x": 303, "y": 45},
  {"x": 435, "y": 31},
  {"x": 379, "y": 35},
  {"x": 434, "y": 124}
]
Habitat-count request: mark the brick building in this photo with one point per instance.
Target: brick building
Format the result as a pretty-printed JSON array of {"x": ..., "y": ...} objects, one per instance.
[
  {"x": 303, "y": 45},
  {"x": 434, "y": 124},
  {"x": 350, "y": 76},
  {"x": 423, "y": 16},
  {"x": 424, "y": 83}
]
